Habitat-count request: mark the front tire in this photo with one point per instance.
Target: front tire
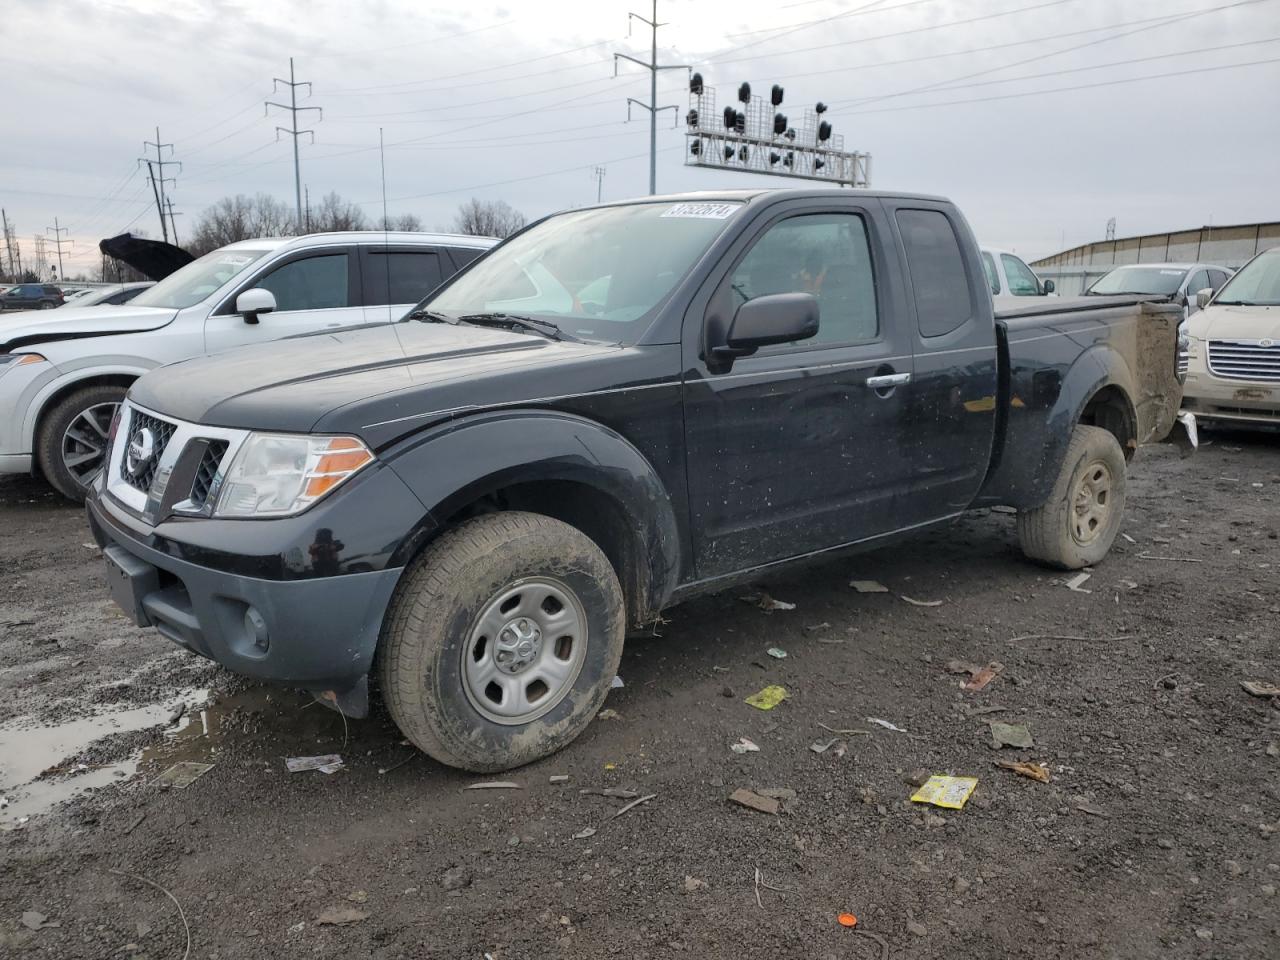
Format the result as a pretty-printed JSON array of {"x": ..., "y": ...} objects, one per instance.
[
  {"x": 71, "y": 446},
  {"x": 1077, "y": 525},
  {"x": 501, "y": 641}
]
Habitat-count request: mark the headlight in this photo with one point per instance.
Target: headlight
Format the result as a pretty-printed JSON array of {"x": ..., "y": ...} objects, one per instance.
[{"x": 274, "y": 475}]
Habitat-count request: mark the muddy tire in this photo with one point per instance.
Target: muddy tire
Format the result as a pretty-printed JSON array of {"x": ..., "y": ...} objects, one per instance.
[
  {"x": 71, "y": 446},
  {"x": 1077, "y": 525},
  {"x": 501, "y": 641}
]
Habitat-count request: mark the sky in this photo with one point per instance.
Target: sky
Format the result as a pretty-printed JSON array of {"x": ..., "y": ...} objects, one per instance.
[{"x": 1027, "y": 113}]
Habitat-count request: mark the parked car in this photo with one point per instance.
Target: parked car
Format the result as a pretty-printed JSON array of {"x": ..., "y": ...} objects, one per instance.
[
  {"x": 1009, "y": 276},
  {"x": 1177, "y": 281},
  {"x": 477, "y": 503},
  {"x": 62, "y": 377},
  {"x": 32, "y": 296},
  {"x": 1232, "y": 347},
  {"x": 111, "y": 296}
]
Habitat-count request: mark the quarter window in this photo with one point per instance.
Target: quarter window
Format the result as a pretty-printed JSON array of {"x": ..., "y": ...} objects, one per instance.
[
  {"x": 937, "y": 271},
  {"x": 827, "y": 255},
  {"x": 316, "y": 283}
]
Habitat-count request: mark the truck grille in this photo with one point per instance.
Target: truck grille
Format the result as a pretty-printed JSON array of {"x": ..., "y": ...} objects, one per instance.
[
  {"x": 214, "y": 451},
  {"x": 1245, "y": 359},
  {"x": 161, "y": 432}
]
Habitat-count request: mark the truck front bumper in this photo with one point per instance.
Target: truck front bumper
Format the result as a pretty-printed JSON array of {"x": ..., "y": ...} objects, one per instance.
[{"x": 318, "y": 634}]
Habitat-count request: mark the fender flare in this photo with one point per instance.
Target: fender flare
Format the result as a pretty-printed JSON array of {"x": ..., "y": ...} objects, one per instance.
[
  {"x": 454, "y": 464},
  {"x": 1098, "y": 368},
  {"x": 70, "y": 377}
]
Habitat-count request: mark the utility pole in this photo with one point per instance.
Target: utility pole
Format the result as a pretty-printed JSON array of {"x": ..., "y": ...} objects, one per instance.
[
  {"x": 307, "y": 209},
  {"x": 158, "y": 182},
  {"x": 652, "y": 106},
  {"x": 173, "y": 226},
  {"x": 57, "y": 232},
  {"x": 1111, "y": 229},
  {"x": 292, "y": 129},
  {"x": 42, "y": 260},
  {"x": 598, "y": 173},
  {"x": 8, "y": 243}
]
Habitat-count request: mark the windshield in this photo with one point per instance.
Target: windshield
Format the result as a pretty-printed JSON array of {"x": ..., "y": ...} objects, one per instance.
[
  {"x": 198, "y": 279},
  {"x": 1158, "y": 281},
  {"x": 596, "y": 274},
  {"x": 1258, "y": 282}
]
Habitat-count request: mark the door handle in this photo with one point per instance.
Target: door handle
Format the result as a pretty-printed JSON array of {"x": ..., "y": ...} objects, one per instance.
[{"x": 888, "y": 381}]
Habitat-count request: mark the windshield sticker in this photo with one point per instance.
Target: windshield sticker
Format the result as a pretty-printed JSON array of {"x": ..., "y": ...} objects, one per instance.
[
  {"x": 702, "y": 211},
  {"x": 234, "y": 260},
  {"x": 1171, "y": 273}
]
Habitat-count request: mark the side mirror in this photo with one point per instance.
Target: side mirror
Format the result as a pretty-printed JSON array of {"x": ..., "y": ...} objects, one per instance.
[
  {"x": 1203, "y": 297},
  {"x": 778, "y": 318},
  {"x": 253, "y": 302},
  {"x": 1049, "y": 287}
]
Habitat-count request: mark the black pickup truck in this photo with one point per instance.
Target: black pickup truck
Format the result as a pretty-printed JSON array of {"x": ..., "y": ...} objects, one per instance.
[{"x": 615, "y": 409}]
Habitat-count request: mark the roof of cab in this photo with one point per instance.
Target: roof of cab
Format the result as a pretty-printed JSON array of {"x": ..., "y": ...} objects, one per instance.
[
  {"x": 366, "y": 236},
  {"x": 774, "y": 193}
]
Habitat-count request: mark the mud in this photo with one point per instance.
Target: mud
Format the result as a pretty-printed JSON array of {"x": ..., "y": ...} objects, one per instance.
[{"x": 1157, "y": 835}]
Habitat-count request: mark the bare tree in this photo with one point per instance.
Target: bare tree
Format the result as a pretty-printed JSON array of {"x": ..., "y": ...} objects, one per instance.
[
  {"x": 406, "y": 221},
  {"x": 333, "y": 214},
  {"x": 240, "y": 218},
  {"x": 488, "y": 218}
]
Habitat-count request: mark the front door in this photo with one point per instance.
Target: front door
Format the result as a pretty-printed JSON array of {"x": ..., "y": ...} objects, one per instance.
[
  {"x": 798, "y": 448},
  {"x": 314, "y": 290}
]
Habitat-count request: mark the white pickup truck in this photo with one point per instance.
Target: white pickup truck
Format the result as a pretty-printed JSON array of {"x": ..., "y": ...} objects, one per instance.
[{"x": 64, "y": 372}]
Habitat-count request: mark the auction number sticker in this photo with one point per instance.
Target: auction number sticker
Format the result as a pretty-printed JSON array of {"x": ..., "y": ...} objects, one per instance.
[
  {"x": 234, "y": 260},
  {"x": 702, "y": 211}
]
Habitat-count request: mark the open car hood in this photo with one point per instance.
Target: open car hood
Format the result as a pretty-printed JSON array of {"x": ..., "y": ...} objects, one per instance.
[{"x": 154, "y": 259}]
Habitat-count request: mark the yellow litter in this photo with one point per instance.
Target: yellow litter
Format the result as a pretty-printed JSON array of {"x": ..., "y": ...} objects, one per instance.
[
  {"x": 949, "y": 792},
  {"x": 768, "y": 698}
]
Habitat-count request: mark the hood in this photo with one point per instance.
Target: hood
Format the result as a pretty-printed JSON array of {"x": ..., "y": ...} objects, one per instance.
[
  {"x": 345, "y": 381},
  {"x": 154, "y": 259},
  {"x": 1236, "y": 323},
  {"x": 34, "y": 327}
]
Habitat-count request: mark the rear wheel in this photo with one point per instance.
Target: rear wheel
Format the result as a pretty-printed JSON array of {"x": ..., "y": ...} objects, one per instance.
[
  {"x": 502, "y": 641},
  {"x": 47, "y": 304},
  {"x": 72, "y": 442},
  {"x": 1079, "y": 522}
]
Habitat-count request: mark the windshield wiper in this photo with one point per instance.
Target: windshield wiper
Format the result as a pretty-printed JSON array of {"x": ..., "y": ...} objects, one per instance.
[
  {"x": 1243, "y": 303},
  {"x": 432, "y": 316},
  {"x": 517, "y": 321}
]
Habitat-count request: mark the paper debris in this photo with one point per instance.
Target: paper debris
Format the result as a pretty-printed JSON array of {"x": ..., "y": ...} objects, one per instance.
[
  {"x": 753, "y": 801},
  {"x": 777, "y": 653},
  {"x": 744, "y": 746},
  {"x": 327, "y": 763},
  {"x": 949, "y": 792},
  {"x": 616, "y": 683},
  {"x": 886, "y": 724},
  {"x": 768, "y": 698},
  {"x": 1035, "y": 771},
  {"x": 494, "y": 785},
  {"x": 182, "y": 775},
  {"x": 1010, "y": 735},
  {"x": 921, "y": 603},
  {"x": 1076, "y": 583},
  {"x": 868, "y": 586}
]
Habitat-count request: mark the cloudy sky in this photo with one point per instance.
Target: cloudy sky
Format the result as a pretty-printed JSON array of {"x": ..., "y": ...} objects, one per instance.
[{"x": 1023, "y": 111}]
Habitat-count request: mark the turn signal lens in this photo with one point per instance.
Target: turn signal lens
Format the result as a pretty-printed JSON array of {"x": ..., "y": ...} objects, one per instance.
[
  {"x": 25, "y": 358},
  {"x": 274, "y": 475}
]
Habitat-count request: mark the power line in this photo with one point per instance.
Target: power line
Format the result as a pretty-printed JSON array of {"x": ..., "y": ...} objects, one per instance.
[
  {"x": 292, "y": 129},
  {"x": 1082, "y": 86},
  {"x": 652, "y": 106}
]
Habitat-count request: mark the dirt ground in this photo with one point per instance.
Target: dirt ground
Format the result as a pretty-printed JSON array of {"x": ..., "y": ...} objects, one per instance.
[{"x": 1158, "y": 834}]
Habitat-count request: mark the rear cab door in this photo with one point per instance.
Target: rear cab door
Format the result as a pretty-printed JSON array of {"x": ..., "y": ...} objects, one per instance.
[
  {"x": 950, "y": 422},
  {"x": 397, "y": 276},
  {"x": 316, "y": 288},
  {"x": 795, "y": 449}
]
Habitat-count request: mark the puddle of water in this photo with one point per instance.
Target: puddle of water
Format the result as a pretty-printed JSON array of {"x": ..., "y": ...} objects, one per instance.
[
  {"x": 27, "y": 750},
  {"x": 205, "y": 729}
]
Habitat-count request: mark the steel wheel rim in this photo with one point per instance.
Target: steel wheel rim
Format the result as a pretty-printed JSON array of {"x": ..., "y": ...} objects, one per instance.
[
  {"x": 84, "y": 442},
  {"x": 1091, "y": 503},
  {"x": 524, "y": 650}
]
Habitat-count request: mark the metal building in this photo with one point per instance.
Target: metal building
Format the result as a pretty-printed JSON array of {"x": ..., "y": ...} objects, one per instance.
[{"x": 1076, "y": 269}]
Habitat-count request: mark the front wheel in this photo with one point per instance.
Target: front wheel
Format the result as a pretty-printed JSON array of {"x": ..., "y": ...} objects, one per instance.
[
  {"x": 501, "y": 642},
  {"x": 72, "y": 442},
  {"x": 1077, "y": 525}
]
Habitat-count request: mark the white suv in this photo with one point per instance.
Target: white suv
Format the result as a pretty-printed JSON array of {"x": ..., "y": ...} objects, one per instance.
[{"x": 63, "y": 373}]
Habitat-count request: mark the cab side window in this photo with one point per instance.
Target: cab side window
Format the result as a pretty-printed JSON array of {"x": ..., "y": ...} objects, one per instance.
[
  {"x": 827, "y": 255},
  {"x": 316, "y": 283},
  {"x": 1199, "y": 280},
  {"x": 936, "y": 266},
  {"x": 1022, "y": 282}
]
